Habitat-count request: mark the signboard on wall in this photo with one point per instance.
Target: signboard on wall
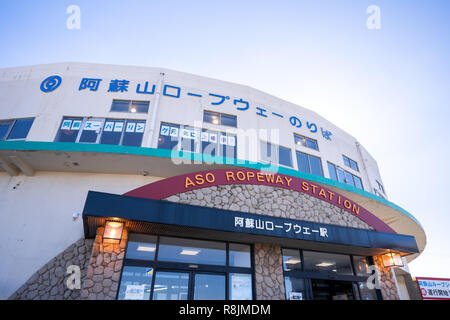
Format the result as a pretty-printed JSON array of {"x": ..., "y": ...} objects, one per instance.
[
  {"x": 241, "y": 286},
  {"x": 434, "y": 288},
  {"x": 295, "y": 295}
]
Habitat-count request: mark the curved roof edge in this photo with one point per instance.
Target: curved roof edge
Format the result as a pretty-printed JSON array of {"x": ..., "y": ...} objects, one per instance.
[{"x": 163, "y": 153}]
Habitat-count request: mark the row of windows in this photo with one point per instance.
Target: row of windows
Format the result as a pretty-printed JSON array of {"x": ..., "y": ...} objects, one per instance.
[
  {"x": 306, "y": 142},
  {"x": 181, "y": 250},
  {"x": 350, "y": 163},
  {"x": 100, "y": 130},
  {"x": 306, "y": 163},
  {"x": 130, "y": 106},
  {"x": 183, "y": 138},
  {"x": 207, "y": 142},
  {"x": 344, "y": 176},
  {"x": 320, "y": 262},
  {"x": 186, "y": 138},
  {"x": 15, "y": 129},
  {"x": 219, "y": 119},
  {"x": 299, "y": 264},
  {"x": 171, "y": 268}
]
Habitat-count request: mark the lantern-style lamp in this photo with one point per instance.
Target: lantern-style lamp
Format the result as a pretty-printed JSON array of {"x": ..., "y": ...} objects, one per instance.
[
  {"x": 392, "y": 259},
  {"x": 113, "y": 231}
]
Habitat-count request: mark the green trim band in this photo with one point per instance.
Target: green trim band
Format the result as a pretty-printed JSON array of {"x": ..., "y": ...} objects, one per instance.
[{"x": 197, "y": 157}]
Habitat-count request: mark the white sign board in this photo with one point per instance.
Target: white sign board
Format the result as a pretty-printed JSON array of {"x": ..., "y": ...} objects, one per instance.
[
  {"x": 434, "y": 288},
  {"x": 295, "y": 295},
  {"x": 135, "y": 292}
]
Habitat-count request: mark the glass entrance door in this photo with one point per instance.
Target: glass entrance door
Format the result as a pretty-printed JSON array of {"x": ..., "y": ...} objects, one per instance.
[
  {"x": 332, "y": 290},
  {"x": 171, "y": 286},
  {"x": 209, "y": 286}
]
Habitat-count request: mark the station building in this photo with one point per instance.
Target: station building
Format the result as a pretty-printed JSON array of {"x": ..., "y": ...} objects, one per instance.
[{"x": 123, "y": 182}]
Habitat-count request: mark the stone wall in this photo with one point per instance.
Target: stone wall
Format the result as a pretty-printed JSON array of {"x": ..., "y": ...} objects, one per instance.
[
  {"x": 387, "y": 281},
  {"x": 50, "y": 281},
  {"x": 270, "y": 201},
  {"x": 104, "y": 270},
  {"x": 269, "y": 272}
]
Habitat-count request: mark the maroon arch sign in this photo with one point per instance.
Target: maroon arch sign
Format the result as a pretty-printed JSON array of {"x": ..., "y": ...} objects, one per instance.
[{"x": 204, "y": 179}]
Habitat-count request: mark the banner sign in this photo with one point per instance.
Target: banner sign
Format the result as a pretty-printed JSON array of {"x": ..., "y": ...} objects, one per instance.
[
  {"x": 107, "y": 205},
  {"x": 434, "y": 288},
  {"x": 179, "y": 184}
]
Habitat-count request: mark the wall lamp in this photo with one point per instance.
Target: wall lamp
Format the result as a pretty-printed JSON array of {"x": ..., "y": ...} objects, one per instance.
[
  {"x": 113, "y": 231},
  {"x": 392, "y": 259}
]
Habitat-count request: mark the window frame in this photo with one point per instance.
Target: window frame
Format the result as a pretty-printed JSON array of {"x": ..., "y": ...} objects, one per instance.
[
  {"x": 309, "y": 162},
  {"x": 308, "y": 275},
  {"x": 192, "y": 268},
  {"x": 11, "y": 127},
  {"x": 220, "y": 115},
  {"x": 100, "y": 134},
  {"x": 296, "y": 135},
  {"x": 350, "y": 161},
  {"x": 277, "y": 156},
  {"x": 337, "y": 168},
  {"x": 130, "y": 103},
  {"x": 198, "y": 143},
  {"x": 380, "y": 187}
]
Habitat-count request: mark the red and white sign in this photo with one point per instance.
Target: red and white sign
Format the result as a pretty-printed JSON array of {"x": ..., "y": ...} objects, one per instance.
[{"x": 434, "y": 288}]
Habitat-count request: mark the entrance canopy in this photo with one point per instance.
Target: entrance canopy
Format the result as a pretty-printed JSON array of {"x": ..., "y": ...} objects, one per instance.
[{"x": 162, "y": 217}]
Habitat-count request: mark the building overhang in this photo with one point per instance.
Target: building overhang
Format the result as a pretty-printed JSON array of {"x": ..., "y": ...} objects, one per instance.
[
  {"x": 157, "y": 216},
  {"x": 30, "y": 156}
]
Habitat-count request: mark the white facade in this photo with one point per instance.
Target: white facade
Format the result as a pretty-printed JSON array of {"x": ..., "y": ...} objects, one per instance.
[
  {"x": 36, "y": 210},
  {"x": 21, "y": 97}
]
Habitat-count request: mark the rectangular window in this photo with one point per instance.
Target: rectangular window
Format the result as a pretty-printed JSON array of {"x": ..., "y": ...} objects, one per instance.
[
  {"x": 305, "y": 142},
  {"x": 343, "y": 176},
  {"x": 380, "y": 187},
  {"x": 327, "y": 263},
  {"x": 91, "y": 130},
  {"x": 5, "y": 126},
  {"x": 130, "y": 106},
  {"x": 171, "y": 286},
  {"x": 188, "y": 137},
  {"x": 141, "y": 247},
  {"x": 184, "y": 268},
  {"x": 69, "y": 129},
  {"x": 332, "y": 172},
  {"x": 133, "y": 134},
  {"x": 309, "y": 164},
  {"x": 15, "y": 129},
  {"x": 239, "y": 255},
  {"x": 361, "y": 264},
  {"x": 240, "y": 286},
  {"x": 168, "y": 136},
  {"x": 136, "y": 283},
  {"x": 208, "y": 142},
  {"x": 99, "y": 130},
  {"x": 273, "y": 153},
  {"x": 112, "y": 131},
  {"x": 366, "y": 293},
  {"x": 218, "y": 118},
  {"x": 295, "y": 288},
  {"x": 350, "y": 163},
  {"x": 192, "y": 251},
  {"x": 291, "y": 259},
  {"x": 358, "y": 182}
]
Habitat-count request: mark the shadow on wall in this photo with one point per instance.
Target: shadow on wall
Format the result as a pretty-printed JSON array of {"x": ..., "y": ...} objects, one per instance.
[{"x": 50, "y": 282}]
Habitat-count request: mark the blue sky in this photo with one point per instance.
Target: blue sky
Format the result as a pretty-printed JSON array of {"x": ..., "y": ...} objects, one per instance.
[{"x": 389, "y": 88}]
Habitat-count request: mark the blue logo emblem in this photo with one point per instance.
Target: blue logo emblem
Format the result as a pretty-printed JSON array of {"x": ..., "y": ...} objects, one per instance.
[{"x": 51, "y": 83}]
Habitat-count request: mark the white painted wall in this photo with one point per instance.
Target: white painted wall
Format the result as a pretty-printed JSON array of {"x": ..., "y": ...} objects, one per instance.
[
  {"x": 36, "y": 218},
  {"x": 20, "y": 96},
  {"x": 36, "y": 212}
]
